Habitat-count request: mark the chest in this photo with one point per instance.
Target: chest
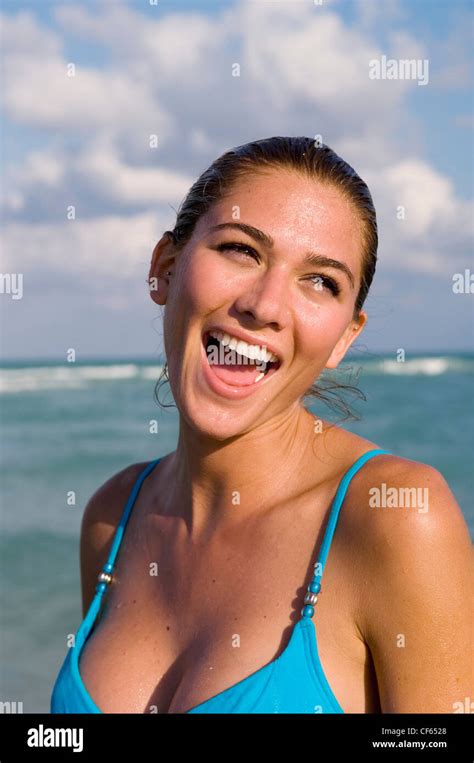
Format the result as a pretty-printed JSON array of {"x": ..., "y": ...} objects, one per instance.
[{"x": 182, "y": 622}]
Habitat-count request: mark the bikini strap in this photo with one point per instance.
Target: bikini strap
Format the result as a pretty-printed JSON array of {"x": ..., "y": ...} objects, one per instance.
[
  {"x": 105, "y": 576},
  {"x": 314, "y": 587}
]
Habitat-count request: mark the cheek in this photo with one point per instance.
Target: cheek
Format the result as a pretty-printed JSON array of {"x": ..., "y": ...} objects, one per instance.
[
  {"x": 319, "y": 327},
  {"x": 204, "y": 286},
  {"x": 182, "y": 297},
  {"x": 200, "y": 288}
]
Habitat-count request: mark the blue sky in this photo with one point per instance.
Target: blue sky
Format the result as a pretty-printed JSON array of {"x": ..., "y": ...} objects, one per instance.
[{"x": 164, "y": 69}]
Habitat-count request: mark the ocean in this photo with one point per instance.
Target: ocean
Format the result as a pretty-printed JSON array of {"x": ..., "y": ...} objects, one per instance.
[{"x": 68, "y": 427}]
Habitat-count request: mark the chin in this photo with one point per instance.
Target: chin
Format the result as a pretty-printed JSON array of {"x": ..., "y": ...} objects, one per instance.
[{"x": 215, "y": 422}]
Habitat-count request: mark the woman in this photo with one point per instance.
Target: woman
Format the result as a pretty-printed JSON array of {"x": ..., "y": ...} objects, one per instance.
[{"x": 212, "y": 604}]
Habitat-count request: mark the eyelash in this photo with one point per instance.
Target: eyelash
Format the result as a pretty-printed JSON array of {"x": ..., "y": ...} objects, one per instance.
[{"x": 332, "y": 285}]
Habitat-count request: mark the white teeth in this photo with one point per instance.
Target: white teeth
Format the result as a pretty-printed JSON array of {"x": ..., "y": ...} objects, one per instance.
[
  {"x": 242, "y": 348},
  {"x": 260, "y": 376},
  {"x": 251, "y": 351}
]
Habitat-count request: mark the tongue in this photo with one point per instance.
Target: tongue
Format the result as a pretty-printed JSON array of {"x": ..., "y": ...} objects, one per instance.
[{"x": 239, "y": 375}]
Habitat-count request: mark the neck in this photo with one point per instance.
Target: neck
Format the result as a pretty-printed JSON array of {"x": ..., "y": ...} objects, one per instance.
[{"x": 216, "y": 482}]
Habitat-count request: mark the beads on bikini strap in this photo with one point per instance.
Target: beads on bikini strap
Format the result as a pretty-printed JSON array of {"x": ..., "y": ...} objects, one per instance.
[
  {"x": 311, "y": 597},
  {"x": 105, "y": 577}
]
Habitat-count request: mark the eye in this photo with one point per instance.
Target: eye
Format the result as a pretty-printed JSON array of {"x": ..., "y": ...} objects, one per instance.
[
  {"x": 320, "y": 281},
  {"x": 243, "y": 249}
]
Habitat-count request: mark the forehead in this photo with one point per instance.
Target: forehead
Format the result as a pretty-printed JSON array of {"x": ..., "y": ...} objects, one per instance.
[{"x": 299, "y": 213}]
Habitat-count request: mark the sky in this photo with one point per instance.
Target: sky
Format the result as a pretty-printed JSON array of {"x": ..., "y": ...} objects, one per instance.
[{"x": 164, "y": 68}]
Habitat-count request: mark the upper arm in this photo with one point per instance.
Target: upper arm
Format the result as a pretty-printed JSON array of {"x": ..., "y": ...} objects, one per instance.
[
  {"x": 417, "y": 619},
  {"x": 99, "y": 523}
]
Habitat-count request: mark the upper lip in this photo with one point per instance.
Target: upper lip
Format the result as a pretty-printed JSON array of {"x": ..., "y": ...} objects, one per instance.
[{"x": 249, "y": 338}]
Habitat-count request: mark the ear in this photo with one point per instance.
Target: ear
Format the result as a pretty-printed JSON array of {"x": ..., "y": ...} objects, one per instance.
[
  {"x": 161, "y": 268},
  {"x": 350, "y": 334}
]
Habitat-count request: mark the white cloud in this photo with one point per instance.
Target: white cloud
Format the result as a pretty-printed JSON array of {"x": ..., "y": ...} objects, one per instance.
[
  {"x": 113, "y": 248},
  {"x": 95, "y": 167},
  {"x": 40, "y": 167},
  {"x": 428, "y": 197},
  {"x": 39, "y": 89},
  {"x": 22, "y": 35},
  {"x": 126, "y": 184},
  {"x": 303, "y": 71},
  {"x": 174, "y": 45},
  {"x": 162, "y": 72},
  {"x": 436, "y": 232}
]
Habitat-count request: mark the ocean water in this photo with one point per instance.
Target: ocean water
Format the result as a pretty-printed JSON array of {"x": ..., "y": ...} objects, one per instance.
[{"x": 70, "y": 427}]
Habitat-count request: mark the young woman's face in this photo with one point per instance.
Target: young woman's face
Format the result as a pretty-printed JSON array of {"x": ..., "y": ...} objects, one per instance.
[{"x": 230, "y": 281}]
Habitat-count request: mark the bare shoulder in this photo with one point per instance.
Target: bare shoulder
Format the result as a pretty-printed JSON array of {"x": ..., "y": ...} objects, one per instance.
[
  {"x": 413, "y": 555},
  {"x": 393, "y": 502},
  {"x": 100, "y": 520},
  {"x": 400, "y": 498}
]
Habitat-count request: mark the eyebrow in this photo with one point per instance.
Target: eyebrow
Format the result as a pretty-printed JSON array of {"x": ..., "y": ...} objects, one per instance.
[{"x": 310, "y": 258}]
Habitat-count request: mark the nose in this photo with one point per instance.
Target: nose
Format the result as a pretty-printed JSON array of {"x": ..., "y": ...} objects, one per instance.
[{"x": 266, "y": 300}]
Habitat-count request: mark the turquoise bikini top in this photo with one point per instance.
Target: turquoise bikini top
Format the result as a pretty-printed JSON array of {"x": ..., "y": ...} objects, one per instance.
[{"x": 292, "y": 683}]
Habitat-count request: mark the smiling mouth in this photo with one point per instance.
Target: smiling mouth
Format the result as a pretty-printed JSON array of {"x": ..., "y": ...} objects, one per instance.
[{"x": 238, "y": 363}]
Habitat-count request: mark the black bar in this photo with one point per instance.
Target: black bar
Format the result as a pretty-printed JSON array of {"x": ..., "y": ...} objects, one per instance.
[{"x": 149, "y": 737}]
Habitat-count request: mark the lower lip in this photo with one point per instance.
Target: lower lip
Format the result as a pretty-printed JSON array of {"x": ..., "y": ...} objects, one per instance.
[{"x": 229, "y": 391}]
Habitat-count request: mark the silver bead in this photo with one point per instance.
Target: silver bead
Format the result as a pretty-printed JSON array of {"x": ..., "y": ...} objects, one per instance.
[
  {"x": 311, "y": 598},
  {"x": 104, "y": 577}
]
